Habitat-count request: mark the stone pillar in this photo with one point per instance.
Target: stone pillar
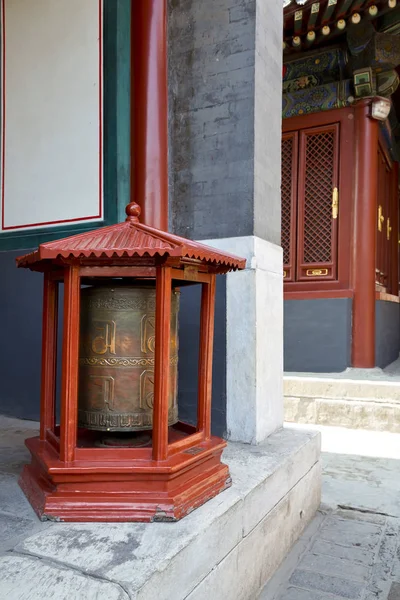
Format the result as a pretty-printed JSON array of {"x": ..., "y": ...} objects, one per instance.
[{"x": 225, "y": 132}]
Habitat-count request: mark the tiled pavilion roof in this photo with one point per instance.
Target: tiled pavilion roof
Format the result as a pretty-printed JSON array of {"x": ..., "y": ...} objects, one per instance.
[{"x": 126, "y": 240}]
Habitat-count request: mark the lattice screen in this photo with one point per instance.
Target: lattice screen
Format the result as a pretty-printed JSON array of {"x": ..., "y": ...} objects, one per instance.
[
  {"x": 286, "y": 192},
  {"x": 318, "y": 186}
]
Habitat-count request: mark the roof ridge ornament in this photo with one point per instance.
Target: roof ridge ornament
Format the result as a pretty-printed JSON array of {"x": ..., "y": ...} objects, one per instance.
[{"x": 133, "y": 211}]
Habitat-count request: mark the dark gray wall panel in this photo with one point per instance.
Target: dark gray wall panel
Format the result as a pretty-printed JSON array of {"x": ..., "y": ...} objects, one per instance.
[
  {"x": 21, "y": 326},
  {"x": 387, "y": 342},
  {"x": 188, "y": 357},
  {"x": 317, "y": 335}
]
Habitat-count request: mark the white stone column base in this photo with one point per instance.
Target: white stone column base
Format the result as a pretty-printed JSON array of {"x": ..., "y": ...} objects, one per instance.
[{"x": 254, "y": 318}]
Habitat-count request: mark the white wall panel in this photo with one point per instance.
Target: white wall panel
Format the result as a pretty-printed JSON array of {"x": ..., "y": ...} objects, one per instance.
[{"x": 52, "y": 111}]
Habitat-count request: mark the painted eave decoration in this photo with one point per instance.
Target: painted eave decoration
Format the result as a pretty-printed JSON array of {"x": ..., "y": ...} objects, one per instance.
[
  {"x": 126, "y": 240},
  {"x": 288, "y": 2},
  {"x": 311, "y": 23}
]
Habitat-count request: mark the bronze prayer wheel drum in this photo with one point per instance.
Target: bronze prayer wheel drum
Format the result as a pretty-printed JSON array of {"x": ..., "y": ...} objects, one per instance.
[{"x": 116, "y": 358}]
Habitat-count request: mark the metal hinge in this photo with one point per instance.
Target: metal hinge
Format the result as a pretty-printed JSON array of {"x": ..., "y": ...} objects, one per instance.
[
  {"x": 381, "y": 218},
  {"x": 335, "y": 203}
]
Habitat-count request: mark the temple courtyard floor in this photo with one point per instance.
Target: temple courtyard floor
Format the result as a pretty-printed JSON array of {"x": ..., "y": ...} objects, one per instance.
[{"x": 351, "y": 549}]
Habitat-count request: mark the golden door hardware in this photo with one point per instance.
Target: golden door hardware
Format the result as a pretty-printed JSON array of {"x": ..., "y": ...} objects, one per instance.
[
  {"x": 388, "y": 229},
  {"x": 381, "y": 218},
  {"x": 316, "y": 272},
  {"x": 335, "y": 203}
]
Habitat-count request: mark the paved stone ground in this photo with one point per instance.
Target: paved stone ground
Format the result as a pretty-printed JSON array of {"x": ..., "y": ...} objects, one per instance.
[{"x": 352, "y": 548}]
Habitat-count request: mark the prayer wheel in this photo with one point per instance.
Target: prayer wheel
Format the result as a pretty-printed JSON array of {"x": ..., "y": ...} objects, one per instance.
[{"x": 116, "y": 358}]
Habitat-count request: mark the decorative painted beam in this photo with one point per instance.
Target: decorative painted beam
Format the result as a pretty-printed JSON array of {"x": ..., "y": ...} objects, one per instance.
[
  {"x": 298, "y": 22},
  {"x": 329, "y": 10},
  {"x": 358, "y": 5},
  {"x": 313, "y": 15},
  {"x": 343, "y": 8}
]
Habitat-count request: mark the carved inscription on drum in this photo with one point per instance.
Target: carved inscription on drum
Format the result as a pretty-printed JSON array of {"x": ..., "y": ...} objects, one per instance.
[
  {"x": 117, "y": 358},
  {"x": 107, "y": 387},
  {"x": 147, "y": 389},
  {"x": 120, "y": 422},
  {"x": 105, "y": 338},
  {"x": 148, "y": 330}
]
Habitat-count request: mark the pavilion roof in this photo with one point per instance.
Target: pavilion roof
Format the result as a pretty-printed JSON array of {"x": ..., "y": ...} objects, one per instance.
[{"x": 127, "y": 240}]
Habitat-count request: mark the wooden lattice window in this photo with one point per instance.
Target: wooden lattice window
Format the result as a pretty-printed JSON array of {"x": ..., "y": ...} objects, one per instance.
[
  {"x": 289, "y": 197},
  {"x": 310, "y": 182}
]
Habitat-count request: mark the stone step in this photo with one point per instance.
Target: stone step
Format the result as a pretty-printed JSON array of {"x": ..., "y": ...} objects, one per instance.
[{"x": 372, "y": 404}]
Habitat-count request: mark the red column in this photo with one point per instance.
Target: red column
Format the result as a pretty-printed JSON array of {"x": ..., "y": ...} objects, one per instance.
[
  {"x": 162, "y": 363},
  {"x": 365, "y": 223},
  {"x": 206, "y": 357},
  {"x": 69, "y": 375},
  {"x": 149, "y": 111},
  {"x": 49, "y": 355}
]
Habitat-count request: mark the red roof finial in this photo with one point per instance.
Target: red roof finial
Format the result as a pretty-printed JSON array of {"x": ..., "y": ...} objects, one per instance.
[{"x": 133, "y": 211}]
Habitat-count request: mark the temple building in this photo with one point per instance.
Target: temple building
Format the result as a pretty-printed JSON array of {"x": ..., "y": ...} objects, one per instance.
[{"x": 340, "y": 184}]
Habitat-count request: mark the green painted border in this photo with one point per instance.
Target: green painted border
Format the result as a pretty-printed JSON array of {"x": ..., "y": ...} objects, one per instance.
[{"x": 116, "y": 57}]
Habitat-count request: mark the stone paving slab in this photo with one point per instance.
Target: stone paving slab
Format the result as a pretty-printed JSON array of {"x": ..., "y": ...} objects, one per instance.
[
  {"x": 352, "y": 555},
  {"x": 394, "y": 593},
  {"x": 42, "y": 581}
]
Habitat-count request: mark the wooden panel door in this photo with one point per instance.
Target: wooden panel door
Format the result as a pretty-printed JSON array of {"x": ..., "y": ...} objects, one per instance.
[
  {"x": 289, "y": 200},
  {"x": 382, "y": 215},
  {"x": 387, "y": 216},
  {"x": 318, "y": 203}
]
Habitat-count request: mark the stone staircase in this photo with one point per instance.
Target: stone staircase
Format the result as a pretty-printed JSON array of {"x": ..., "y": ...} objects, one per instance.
[{"x": 357, "y": 398}]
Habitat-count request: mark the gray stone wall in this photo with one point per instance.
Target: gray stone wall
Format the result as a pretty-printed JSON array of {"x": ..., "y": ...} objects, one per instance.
[
  {"x": 212, "y": 66},
  {"x": 225, "y": 78},
  {"x": 225, "y": 82}
]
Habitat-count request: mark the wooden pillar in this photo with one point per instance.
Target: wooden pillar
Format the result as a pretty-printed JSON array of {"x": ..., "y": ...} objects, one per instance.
[
  {"x": 69, "y": 376},
  {"x": 162, "y": 363},
  {"x": 49, "y": 355},
  {"x": 149, "y": 111},
  {"x": 206, "y": 357},
  {"x": 365, "y": 221}
]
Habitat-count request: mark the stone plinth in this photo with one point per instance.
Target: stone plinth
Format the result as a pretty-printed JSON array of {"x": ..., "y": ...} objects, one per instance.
[{"x": 229, "y": 547}]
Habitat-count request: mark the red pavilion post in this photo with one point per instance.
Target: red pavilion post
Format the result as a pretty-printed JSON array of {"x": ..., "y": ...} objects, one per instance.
[
  {"x": 161, "y": 366},
  {"x": 49, "y": 354},
  {"x": 366, "y": 169}
]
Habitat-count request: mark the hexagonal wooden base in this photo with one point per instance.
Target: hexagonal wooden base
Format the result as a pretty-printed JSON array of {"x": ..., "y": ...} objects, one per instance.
[{"x": 123, "y": 490}]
